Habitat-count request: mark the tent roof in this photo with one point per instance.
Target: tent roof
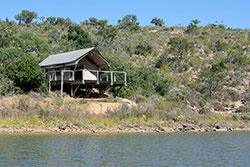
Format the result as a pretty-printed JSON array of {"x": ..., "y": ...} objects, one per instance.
[{"x": 72, "y": 57}]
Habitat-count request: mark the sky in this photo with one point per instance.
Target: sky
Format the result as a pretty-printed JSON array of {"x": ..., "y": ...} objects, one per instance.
[{"x": 233, "y": 13}]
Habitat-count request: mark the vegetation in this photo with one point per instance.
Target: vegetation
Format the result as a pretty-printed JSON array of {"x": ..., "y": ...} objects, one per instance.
[
  {"x": 26, "y": 16},
  {"x": 194, "y": 69},
  {"x": 157, "y": 22}
]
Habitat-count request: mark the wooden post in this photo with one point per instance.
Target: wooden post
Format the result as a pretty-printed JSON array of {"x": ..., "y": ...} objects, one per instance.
[
  {"x": 82, "y": 76},
  {"x": 125, "y": 78},
  {"x": 62, "y": 73},
  {"x": 71, "y": 90},
  {"x": 49, "y": 82},
  {"x": 55, "y": 76},
  {"x": 114, "y": 77},
  {"x": 116, "y": 93},
  {"x": 97, "y": 77},
  {"x": 111, "y": 78}
]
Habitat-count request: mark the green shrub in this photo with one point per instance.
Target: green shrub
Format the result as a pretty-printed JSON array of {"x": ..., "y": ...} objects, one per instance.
[
  {"x": 245, "y": 116},
  {"x": 26, "y": 73},
  {"x": 81, "y": 37},
  {"x": 243, "y": 109},
  {"x": 143, "y": 49}
]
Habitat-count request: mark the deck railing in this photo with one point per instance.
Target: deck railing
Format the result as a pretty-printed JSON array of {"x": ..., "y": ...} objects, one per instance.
[{"x": 84, "y": 75}]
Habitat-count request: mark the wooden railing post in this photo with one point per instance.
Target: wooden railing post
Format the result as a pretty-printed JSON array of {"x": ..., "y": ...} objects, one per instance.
[
  {"x": 125, "y": 78},
  {"x": 73, "y": 75},
  {"x": 114, "y": 77},
  {"x": 83, "y": 77},
  {"x": 111, "y": 73},
  {"x": 55, "y": 76},
  {"x": 97, "y": 77}
]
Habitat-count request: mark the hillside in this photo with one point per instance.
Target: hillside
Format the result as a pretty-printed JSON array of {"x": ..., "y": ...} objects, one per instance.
[{"x": 178, "y": 72}]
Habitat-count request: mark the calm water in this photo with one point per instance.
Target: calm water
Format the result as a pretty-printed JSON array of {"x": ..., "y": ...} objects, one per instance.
[{"x": 180, "y": 149}]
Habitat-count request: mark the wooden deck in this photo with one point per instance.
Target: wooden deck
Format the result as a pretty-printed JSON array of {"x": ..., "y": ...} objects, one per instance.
[{"x": 86, "y": 80}]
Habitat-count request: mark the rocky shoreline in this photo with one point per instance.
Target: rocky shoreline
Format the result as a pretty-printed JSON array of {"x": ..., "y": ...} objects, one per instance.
[{"x": 127, "y": 128}]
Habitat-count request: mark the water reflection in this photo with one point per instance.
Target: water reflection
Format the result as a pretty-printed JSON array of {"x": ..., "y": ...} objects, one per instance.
[{"x": 180, "y": 149}]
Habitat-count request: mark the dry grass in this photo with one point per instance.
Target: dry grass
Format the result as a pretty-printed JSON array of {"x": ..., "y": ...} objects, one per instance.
[{"x": 44, "y": 112}]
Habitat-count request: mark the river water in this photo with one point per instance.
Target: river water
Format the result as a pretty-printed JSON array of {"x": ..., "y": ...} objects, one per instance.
[{"x": 170, "y": 149}]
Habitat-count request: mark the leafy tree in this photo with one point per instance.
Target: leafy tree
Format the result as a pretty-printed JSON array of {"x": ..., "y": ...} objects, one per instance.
[
  {"x": 6, "y": 85},
  {"x": 221, "y": 46},
  {"x": 129, "y": 22},
  {"x": 26, "y": 73},
  {"x": 102, "y": 23},
  {"x": 108, "y": 33},
  {"x": 30, "y": 42},
  {"x": 26, "y": 16},
  {"x": 236, "y": 56},
  {"x": 192, "y": 27},
  {"x": 157, "y": 22},
  {"x": 51, "y": 20},
  {"x": 212, "y": 80},
  {"x": 143, "y": 48},
  {"x": 9, "y": 55},
  {"x": 92, "y": 21},
  {"x": 180, "y": 46},
  {"x": 81, "y": 37},
  {"x": 6, "y": 34},
  {"x": 62, "y": 21},
  {"x": 85, "y": 22},
  {"x": 195, "y": 22}
]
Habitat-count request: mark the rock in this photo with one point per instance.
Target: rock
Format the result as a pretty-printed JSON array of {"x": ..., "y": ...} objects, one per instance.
[
  {"x": 62, "y": 127},
  {"x": 119, "y": 127},
  {"x": 187, "y": 127},
  {"x": 217, "y": 127},
  {"x": 160, "y": 128}
]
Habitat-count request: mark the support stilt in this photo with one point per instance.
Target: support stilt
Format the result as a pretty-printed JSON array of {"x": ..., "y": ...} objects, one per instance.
[
  {"x": 74, "y": 94},
  {"x": 49, "y": 83},
  {"x": 71, "y": 90},
  {"x": 118, "y": 91},
  {"x": 62, "y": 72},
  {"x": 102, "y": 91}
]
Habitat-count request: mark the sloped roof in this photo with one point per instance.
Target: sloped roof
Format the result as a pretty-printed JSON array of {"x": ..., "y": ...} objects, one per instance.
[{"x": 70, "y": 57}]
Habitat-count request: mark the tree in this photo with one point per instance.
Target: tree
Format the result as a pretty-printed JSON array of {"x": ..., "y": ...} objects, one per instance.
[
  {"x": 212, "y": 79},
  {"x": 9, "y": 55},
  {"x": 108, "y": 32},
  {"x": 81, "y": 37},
  {"x": 157, "y": 22},
  {"x": 26, "y": 16},
  {"x": 92, "y": 21},
  {"x": 51, "y": 20},
  {"x": 62, "y": 21},
  {"x": 6, "y": 34},
  {"x": 143, "y": 48},
  {"x": 192, "y": 27},
  {"x": 31, "y": 42},
  {"x": 180, "y": 46},
  {"x": 129, "y": 22},
  {"x": 26, "y": 73},
  {"x": 102, "y": 23},
  {"x": 220, "y": 46}
]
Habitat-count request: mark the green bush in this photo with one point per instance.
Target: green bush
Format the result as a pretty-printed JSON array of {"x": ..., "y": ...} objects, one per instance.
[
  {"x": 143, "y": 49},
  {"x": 81, "y": 37},
  {"x": 243, "y": 109},
  {"x": 26, "y": 73}
]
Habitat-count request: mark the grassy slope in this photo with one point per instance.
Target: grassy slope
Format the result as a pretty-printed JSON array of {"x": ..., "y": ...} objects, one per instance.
[{"x": 188, "y": 104}]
